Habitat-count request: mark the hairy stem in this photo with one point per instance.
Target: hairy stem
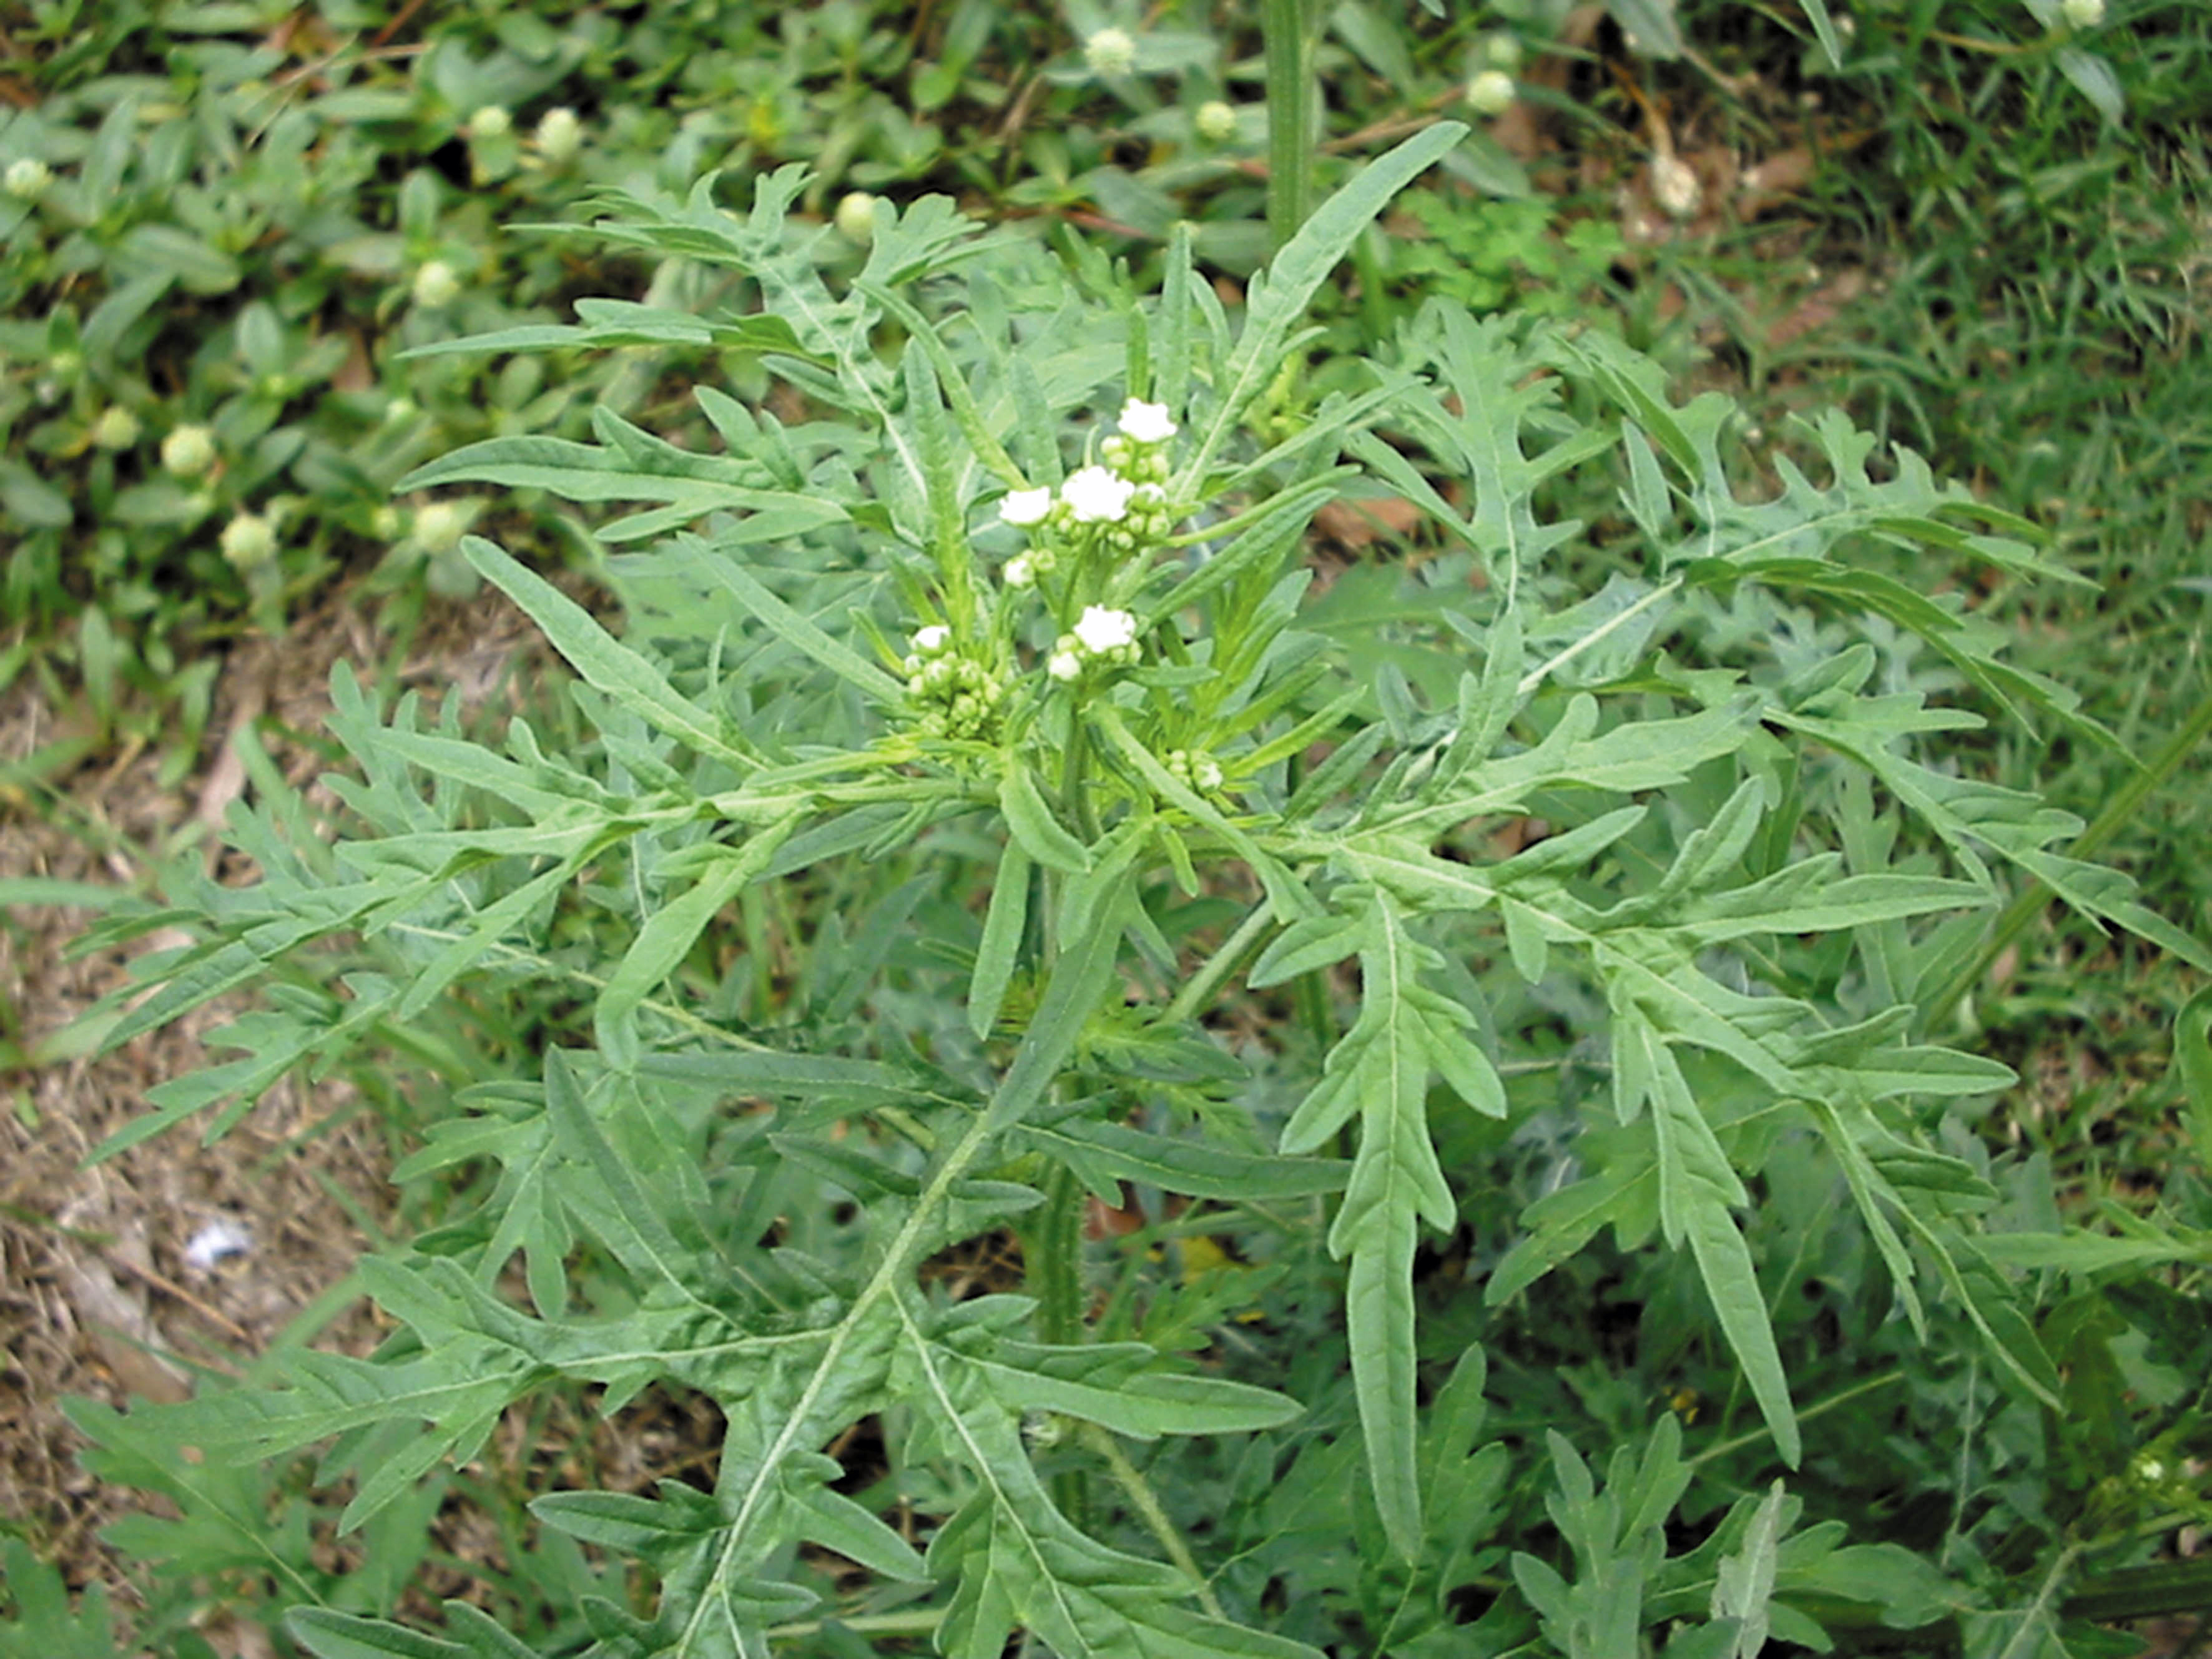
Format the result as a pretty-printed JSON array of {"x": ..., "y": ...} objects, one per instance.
[
  {"x": 1156, "y": 1519},
  {"x": 1288, "y": 28}
]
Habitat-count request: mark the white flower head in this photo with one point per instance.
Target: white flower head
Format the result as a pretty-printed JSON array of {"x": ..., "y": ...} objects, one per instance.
[
  {"x": 1145, "y": 423},
  {"x": 436, "y": 286},
  {"x": 27, "y": 178},
  {"x": 1216, "y": 121},
  {"x": 492, "y": 121},
  {"x": 1101, "y": 631},
  {"x": 1063, "y": 665},
  {"x": 931, "y": 640},
  {"x": 1491, "y": 93},
  {"x": 188, "y": 451},
  {"x": 248, "y": 541},
  {"x": 2083, "y": 14},
  {"x": 1110, "y": 51},
  {"x": 559, "y": 135},
  {"x": 1025, "y": 507},
  {"x": 439, "y": 525},
  {"x": 1020, "y": 573},
  {"x": 1096, "y": 495}
]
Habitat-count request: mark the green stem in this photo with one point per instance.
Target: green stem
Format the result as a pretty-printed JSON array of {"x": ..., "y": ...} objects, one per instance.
[
  {"x": 1289, "y": 28},
  {"x": 2033, "y": 898},
  {"x": 1198, "y": 990},
  {"x": 1156, "y": 1518},
  {"x": 1725, "y": 1447},
  {"x": 1055, "y": 1247}
]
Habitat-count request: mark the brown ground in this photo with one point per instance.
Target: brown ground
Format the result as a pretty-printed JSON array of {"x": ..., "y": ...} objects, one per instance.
[{"x": 97, "y": 1296}]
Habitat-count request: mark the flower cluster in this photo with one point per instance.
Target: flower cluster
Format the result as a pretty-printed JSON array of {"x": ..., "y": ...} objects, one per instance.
[
  {"x": 1199, "y": 770},
  {"x": 1101, "y": 635},
  {"x": 1120, "y": 506},
  {"x": 960, "y": 697}
]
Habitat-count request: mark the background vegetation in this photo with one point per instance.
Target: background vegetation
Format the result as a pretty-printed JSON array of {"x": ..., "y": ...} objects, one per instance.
[{"x": 1979, "y": 226}]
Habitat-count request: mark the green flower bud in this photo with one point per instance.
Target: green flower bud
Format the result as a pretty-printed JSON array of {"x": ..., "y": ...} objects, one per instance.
[
  {"x": 249, "y": 541},
  {"x": 116, "y": 428}
]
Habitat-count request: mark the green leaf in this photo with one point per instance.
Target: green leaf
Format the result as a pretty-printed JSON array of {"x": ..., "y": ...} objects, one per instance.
[
  {"x": 996, "y": 955},
  {"x": 605, "y": 663},
  {"x": 671, "y": 931},
  {"x": 1193, "y": 1167},
  {"x": 1033, "y": 826},
  {"x": 1276, "y": 303},
  {"x": 2192, "y": 1060},
  {"x": 718, "y": 570}
]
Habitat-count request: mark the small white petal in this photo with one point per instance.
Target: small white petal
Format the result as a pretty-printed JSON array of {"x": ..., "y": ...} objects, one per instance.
[
  {"x": 933, "y": 638},
  {"x": 1063, "y": 665},
  {"x": 1101, "y": 630},
  {"x": 216, "y": 1240},
  {"x": 1025, "y": 507},
  {"x": 1020, "y": 573},
  {"x": 1145, "y": 423},
  {"x": 1095, "y": 495}
]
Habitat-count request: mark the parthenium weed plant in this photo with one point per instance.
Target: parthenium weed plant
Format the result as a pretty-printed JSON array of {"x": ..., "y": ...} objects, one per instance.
[{"x": 972, "y": 737}]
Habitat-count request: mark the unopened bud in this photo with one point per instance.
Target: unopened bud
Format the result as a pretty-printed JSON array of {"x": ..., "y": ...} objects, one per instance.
[
  {"x": 1216, "y": 121},
  {"x": 116, "y": 429},
  {"x": 856, "y": 217}
]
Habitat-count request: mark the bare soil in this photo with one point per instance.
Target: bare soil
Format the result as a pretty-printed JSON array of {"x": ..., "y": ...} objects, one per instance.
[{"x": 102, "y": 1293}]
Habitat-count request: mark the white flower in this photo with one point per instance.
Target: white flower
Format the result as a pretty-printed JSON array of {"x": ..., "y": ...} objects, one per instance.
[
  {"x": 1145, "y": 423},
  {"x": 856, "y": 216},
  {"x": 27, "y": 178},
  {"x": 559, "y": 135},
  {"x": 1095, "y": 495},
  {"x": 2083, "y": 14},
  {"x": 1490, "y": 92},
  {"x": 1100, "y": 631},
  {"x": 436, "y": 285},
  {"x": 188, "y": 452},
  {"x": 1216, "y": 121},
  {"x": 248, "y": 540},
  {"x": 1025, "y": 507},
  {"x": 1020, "y": 573},
  {"x": 1674, "y": 187},
  {"x": 1110, "y": 51},
  {"x": 1063, "y": 665},
  {"x": 492, "y": 121},
  {"x": 438, "y": 527},
  {"x": 933, "y": 638},
  {"x": 1504, "y": 52}
]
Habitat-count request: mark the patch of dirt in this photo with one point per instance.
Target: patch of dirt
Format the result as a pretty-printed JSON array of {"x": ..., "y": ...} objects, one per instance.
[{"x": 124, "y": 1278}]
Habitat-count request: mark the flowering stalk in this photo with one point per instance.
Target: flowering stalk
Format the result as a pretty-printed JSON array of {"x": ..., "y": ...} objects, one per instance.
[{"x": 1290, "y": 29}]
